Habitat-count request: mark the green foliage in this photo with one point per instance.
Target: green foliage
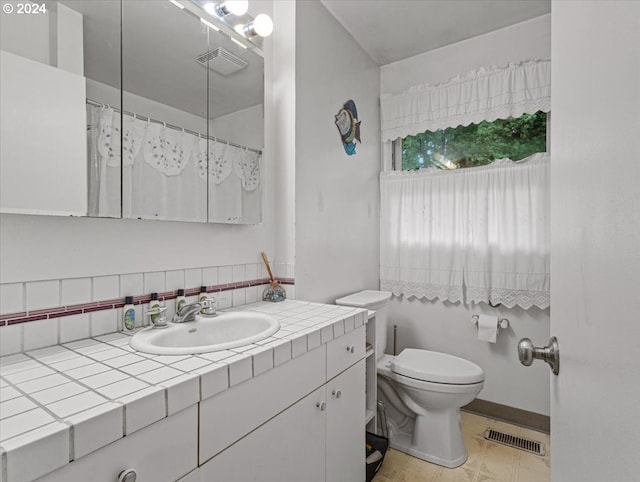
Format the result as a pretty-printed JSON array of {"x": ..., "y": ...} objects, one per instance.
[{"x": 477, "y": 144}]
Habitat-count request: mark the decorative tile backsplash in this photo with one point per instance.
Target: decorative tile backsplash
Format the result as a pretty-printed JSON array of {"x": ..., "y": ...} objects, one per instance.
[{"x": 43, "y": 313}]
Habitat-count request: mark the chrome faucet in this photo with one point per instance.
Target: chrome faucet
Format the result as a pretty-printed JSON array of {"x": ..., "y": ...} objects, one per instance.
[{"x": 188, "y": 312}]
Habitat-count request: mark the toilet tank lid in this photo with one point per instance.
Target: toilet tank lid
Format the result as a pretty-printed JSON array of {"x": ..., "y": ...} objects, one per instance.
[
  {"x": 432, "y": 366},
  {"x": 365, "y": 299}
]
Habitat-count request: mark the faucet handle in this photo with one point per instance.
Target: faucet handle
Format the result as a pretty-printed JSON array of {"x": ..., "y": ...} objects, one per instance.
[
  {"x": 157, "y": 316},
  {"x": 208, "y": 307}
]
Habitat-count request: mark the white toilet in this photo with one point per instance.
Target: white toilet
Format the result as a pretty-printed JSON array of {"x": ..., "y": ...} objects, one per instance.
[{"x": 424, "y": 387}]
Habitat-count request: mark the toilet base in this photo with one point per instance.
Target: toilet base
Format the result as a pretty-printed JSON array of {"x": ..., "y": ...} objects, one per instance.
[{"x": 404, "y": 443}]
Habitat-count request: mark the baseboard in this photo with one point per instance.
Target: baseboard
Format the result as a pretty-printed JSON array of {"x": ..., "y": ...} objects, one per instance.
[{"x": 504, "y": 413}]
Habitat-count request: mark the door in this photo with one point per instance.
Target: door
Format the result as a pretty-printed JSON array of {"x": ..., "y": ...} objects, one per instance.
[{"x": 595, "y": 245}]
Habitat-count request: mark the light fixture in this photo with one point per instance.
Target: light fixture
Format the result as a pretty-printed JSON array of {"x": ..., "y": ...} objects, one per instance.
[
  {"x": 226, "y": 7},
  {"x": 177, "y": 4},
  {"x": 262, "y": 25}
]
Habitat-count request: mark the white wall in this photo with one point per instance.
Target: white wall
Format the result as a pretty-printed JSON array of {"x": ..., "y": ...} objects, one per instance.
[
  {"x": 446, "y": 327},
  {"x": 336, "y": 194}
]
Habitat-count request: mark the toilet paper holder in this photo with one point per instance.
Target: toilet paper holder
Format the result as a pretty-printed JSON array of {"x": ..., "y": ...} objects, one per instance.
[{"x": 502, "y": 322}]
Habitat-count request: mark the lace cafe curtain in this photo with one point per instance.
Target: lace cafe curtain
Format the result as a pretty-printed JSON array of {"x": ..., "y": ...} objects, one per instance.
[
  {"x": 471, "y": 235},
  {"x": 482, "y": 95}
]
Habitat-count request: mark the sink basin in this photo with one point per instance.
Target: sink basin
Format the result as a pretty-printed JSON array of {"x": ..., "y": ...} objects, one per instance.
[{"x": 206, "y": 334}]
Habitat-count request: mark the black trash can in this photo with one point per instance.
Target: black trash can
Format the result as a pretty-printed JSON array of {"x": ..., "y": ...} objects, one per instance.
[{"x": 375, "y": 443}]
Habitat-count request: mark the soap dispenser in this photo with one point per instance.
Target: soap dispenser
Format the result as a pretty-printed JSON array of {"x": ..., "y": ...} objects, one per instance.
[
  {"x": 181, "y": 300},
  {"x": 154, "y": 304},
  {"x": 128, "y": 314}
]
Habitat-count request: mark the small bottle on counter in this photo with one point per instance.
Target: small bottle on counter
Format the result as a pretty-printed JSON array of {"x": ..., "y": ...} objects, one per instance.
[
  {"x": 203, "y": 296},
  {"x": 154, "y": 304},
  {"x": 181, "y": 300},
  {"x": 128, "y": 314}
]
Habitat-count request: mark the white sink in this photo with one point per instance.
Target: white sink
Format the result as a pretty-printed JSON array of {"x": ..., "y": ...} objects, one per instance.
[{"x": 206, "y": 334}]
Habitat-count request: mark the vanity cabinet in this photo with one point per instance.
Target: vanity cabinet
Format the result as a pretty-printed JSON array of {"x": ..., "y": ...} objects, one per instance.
[{"x": 164, "y": 451}]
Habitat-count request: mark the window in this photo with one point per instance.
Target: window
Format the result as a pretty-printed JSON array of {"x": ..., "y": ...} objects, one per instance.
[{"x": 476, "y": 144}]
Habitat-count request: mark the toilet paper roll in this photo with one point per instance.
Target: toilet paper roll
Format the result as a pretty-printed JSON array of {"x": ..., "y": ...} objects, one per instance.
[{"x": 487, "y": 328}]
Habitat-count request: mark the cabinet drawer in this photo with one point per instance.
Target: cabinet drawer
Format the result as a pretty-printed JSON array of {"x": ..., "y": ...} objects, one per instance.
[
  {"x": 345, "y": 351},
  {"x": 162, "y": 452}
]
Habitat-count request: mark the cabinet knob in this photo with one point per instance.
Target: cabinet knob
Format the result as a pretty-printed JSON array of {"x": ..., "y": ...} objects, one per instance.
[
  {"x": 337, "y": 393},
  {"x": 322, "y": 406},
  {"x": 351, "y": 349},
  {"x": 128, "y": 475}
]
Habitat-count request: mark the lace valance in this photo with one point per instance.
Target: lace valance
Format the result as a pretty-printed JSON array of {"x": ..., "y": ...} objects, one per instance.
[{"x": 485, "y": 94}]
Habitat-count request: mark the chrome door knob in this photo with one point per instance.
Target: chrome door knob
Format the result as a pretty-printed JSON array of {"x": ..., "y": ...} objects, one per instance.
[
  {"x": 351, "y": 349},
  {"x": 128, "y": 475},
  {"x": 527, "y": 352},
  {"x": 336, "y": 393},
  {"x": 322, "y": 406}
]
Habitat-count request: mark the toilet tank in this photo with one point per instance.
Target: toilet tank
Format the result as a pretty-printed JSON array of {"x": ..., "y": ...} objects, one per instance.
[{"x": 377, "y": 301}]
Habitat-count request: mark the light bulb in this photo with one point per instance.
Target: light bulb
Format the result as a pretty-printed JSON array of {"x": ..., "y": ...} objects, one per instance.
[
  {"x": 263, "y": 25},
  {"x": 210, "y": 8},
  {"x": 237, "y": 7}
]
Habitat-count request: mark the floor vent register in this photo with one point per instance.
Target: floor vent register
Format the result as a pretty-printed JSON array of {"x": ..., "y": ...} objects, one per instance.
[{"x": 530, "y": 446}]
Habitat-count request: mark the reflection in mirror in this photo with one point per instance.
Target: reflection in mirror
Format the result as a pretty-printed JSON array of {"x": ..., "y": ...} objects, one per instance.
[
  {"x": 236, "y": 120},
  {"x": 48, "y": 69}
]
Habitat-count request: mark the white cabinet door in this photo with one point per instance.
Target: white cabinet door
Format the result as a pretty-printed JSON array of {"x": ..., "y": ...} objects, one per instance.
[
  {"x": 289, "y": 447},
  {"x": 345, "y": 425},
  {"x": 162, "y": 452}
]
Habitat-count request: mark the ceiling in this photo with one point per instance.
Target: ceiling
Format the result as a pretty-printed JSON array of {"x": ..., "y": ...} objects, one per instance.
[{"x": 392, "y": 30}]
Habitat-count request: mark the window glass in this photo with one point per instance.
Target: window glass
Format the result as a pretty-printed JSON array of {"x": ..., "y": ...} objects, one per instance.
[{"x": 476, "y": 144}]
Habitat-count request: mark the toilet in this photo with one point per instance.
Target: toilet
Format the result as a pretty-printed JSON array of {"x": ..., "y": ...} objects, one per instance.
[{"x": 425, "y": 390}]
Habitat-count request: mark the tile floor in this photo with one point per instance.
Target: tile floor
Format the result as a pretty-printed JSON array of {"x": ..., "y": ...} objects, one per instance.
[{"x": 487, "y": 462}]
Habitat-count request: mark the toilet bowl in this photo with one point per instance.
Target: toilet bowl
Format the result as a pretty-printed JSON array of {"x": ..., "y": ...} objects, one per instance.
[
  {"x": 432, "y": 386},
  {"x": 424, "y": 387}
]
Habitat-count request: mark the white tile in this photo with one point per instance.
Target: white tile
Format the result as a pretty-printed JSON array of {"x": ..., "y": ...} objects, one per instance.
[
  {"x": 11, "y": 339},
  {"x": 103, "y": 322},
  {"x": 42, "y": 294},
  {"x": 106, "y": 288},
  {"x": 298, "y": 346},
  {"x": 15, "y": 406},
  {"x": 239, "y": 297},
  {"x": 190, "y": 364},
  {"x": 224, "y": 299},
  {"x": 41, "y": 333},
  {"x": 59, "y": 392},
  {"x": 86, "y": 346},
  {"x": 349, "y": 324},
  {"x": 262, "y": 360},
  {"x": 87, "y": 370},
  {"x": 96, "y": 427},
  {"x": 193, "y": 278},
  {"x": 117, "y": 339},
  {"x": 326, "y": 334},
  {"x": 210, "y": 276},
  {"x": 144, "y": 408},
  {"x": 217, "y": 355},
  {"x": 26, "y": 375},
  {"x": 251, "y": 271},
  {"x": 160, "y": 375},
  {"x": 313, "y": 340},
  {"x": 124, "y": 360},
  {"x": 238, "y": 273},
  {"x": 75, "y": 327},
  {"x": 21, "y": 366},
  {"x": 77, "y": 403},
  {"x": 11, "y": 359},
  {"x": 214, "y": 379},
  {"x": 37, "y": 453},
  {"x": 122, "y": 388},
  {"x": 240, "y": 369},
  {"x": 131, "y": 285},
  {"x": 104, "y": 378},
  {"x": 75, "y": 291},
  {"x": 12, "y": 296},
  {"x": 174, "y": 280},
  {"x": 225, "y": 274},
  {"x": 23, "y": 422},
  {"x": 154, "y": 282},
  {"x": 182, "y": 392},
  {"x": 290, "y": 270},
  {"x": 141, "y": 367},
  {"x": 71, "y": 363},
  {"x": 9, "y": 393},
  {"x": 281, "y": 352},
  {"x": 291, "y": 291},
  {"x": 251, "y": 294},
  {"x": 108, "y": 354},
  {"x": 338, "y": 329},
  {"x": 52, "y": 354},
  {"x": 169, "y": 359}
]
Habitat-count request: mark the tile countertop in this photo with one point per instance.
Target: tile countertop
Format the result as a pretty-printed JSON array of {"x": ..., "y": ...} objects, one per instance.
[{"x": 72, "y": 399}]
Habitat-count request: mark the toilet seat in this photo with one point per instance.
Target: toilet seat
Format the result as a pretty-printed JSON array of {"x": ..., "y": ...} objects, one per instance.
[{"x": 435, "y": 367}]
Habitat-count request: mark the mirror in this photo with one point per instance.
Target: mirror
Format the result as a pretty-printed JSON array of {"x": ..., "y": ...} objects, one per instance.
[{"x": 186, "y": 142}]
